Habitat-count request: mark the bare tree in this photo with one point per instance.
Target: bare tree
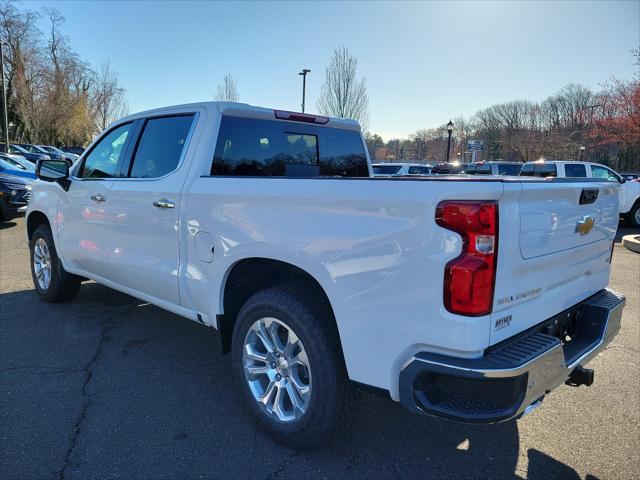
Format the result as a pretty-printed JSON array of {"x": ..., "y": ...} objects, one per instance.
[
  {"x": 109, "y": 101},
  {"x": 227, "y": 90},
  {"x": 343, "y": 95}
]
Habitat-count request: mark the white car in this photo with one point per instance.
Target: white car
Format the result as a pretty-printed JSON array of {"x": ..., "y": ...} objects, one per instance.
[
  {"x": 493, "y": 168},
  {"x": 468, "y": 298},
  {"x": 629, "y": 191},
  {"x": 400, "y": 169}
]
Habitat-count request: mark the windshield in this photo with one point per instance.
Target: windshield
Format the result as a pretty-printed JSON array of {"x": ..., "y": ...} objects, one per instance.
[
  {"x": 17, "y": 149},
  {"x": 386, "y": 169},
  {"x": 5, "y": 165},
  {"x": 52, "y": 149}
]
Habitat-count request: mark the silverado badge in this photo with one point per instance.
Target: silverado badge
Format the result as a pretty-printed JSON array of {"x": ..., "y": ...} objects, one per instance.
[{"x": 585, "y": 225}]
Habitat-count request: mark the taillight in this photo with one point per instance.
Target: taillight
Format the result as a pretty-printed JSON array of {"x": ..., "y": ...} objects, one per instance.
[
  {"x": 469, "y": 279},
  {"x": 300, "y": 117}
]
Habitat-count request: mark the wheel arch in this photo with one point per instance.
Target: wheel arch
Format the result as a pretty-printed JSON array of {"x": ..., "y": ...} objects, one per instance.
[
  {"x": 250, "y": 275},
  {"x": 34, "y": 220}
]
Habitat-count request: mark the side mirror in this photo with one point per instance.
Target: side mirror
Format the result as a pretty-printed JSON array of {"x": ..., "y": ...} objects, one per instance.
[
  {"x": 54, "y": 171},
  {"x": 622, "y": 180}
]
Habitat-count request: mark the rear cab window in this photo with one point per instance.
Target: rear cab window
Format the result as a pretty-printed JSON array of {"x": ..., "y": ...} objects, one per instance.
[{"x": 277, "y": 148}]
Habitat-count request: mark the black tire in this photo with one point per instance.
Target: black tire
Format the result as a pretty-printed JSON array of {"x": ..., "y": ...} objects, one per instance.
[
  {"x": 63, "y": 285},
  {"x": 312, "y": 321},
  {"x": 633, "y": 215}
]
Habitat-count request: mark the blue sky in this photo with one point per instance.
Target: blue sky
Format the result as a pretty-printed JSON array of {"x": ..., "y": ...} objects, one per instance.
[{"x": 424, "y": 61}]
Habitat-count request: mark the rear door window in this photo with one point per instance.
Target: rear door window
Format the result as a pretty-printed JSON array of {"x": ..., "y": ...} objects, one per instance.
[
  {"x": 264, "y": 148},
  {"x": 160, "y": 146},
  {"x": 574, "y": 170}
]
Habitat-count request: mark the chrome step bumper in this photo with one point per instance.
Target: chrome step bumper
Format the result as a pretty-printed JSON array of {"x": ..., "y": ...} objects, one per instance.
[{"x": 505, "y": 382}]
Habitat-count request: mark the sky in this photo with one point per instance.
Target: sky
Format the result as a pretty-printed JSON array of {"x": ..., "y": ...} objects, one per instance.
[{"x": 424, "y": 62}]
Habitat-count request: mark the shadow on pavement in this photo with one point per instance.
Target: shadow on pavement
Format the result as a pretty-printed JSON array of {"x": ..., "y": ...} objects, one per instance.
[
  {"x": 108, "y": 386},
  {"x": 6, "y": 224},
  {"x": 625, "y": 229}
]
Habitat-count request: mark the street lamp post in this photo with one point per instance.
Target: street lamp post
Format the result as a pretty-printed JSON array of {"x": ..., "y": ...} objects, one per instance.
[
  {"x": 582, "y": 149},
  {"x": 304, "y": 84},
  {"x": 450, "y": 130}
]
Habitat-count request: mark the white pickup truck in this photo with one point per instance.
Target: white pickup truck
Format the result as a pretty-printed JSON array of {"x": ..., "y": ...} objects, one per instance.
[
  {"x": 629, "y": 192},
  {"x": 466, "y": 298}
]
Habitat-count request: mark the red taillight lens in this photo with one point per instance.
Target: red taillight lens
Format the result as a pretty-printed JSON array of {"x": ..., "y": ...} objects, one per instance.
[{"x": 469, "y": 279}]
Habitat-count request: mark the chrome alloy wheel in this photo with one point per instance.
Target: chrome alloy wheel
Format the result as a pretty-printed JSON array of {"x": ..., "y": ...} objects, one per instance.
[
  {"x": 42, "y": 263},
  {"x": 277, "y": 370}
]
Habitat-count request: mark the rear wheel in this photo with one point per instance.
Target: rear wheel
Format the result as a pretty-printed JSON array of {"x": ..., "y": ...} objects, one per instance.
[
  {"x": 287, "y": 358},
  {"x": 53, "y": 283},
  {"x": 633, "y": 217}
]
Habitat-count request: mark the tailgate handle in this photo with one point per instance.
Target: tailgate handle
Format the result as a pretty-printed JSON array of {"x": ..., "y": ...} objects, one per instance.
[{"x": 588, "y": 195}]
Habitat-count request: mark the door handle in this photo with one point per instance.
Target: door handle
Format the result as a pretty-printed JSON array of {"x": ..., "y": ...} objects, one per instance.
[
  {"x": 97, "y": 198},
  {"x": 163, "y": 204}
]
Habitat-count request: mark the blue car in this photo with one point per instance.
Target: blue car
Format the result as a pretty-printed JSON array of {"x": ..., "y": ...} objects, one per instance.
[
  {"x": 32, "y": 157},
  {"x": 9, "y": 166},
  {"x": 14, "y": 195}
]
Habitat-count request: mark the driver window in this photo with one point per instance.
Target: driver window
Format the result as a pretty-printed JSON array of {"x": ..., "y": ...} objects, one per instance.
[
  {"x": 102, "y": 161},
  {"x": 602, "y": 172}
]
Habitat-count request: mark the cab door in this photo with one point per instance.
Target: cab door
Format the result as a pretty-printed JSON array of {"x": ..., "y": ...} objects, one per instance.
[
  {"x": 83, "y": 235},
  {"x": 145, "y": 209}
]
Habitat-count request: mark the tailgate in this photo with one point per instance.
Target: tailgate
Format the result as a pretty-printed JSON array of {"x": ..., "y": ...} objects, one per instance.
[{"x": 564, "y": 232}]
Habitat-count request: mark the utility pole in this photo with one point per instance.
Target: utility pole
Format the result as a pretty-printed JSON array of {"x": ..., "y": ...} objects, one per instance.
[
  {"x": 304, "y": 84},
  {"x": 5, "y": 121}
]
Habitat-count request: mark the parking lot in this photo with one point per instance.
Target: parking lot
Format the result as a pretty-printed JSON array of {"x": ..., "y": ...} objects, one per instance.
[{"x": 108, "y": 387}]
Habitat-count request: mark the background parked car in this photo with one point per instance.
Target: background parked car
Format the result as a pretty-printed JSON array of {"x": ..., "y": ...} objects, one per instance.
[
  {"x": 448, "y": 168},
  {"x": 631, "y": 177},
  {"x": 74, "y": 150},
  {"x": 400, "y": 169},
  {"x": 628, "y": 192},
  {"x": 9, "y": 166},
  {"x": 38, "y": 149},
  {"x": 71, "y": 157},
  {"x": 32, "y": 157},
  {"x": 493, "y": 168},
  {"x": 14, "y": 195}
]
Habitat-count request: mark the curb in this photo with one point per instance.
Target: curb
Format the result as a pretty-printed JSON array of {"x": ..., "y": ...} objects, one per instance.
[{"x": 631, "y": 242}]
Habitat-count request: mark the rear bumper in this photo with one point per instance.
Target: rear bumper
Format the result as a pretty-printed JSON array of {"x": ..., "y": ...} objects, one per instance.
[{"x": 514, "y": 377}]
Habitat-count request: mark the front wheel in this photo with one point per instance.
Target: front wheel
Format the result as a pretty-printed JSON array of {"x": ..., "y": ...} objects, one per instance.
[
  {"x": 287, "y": 358},
  {"x": 53, "y": 283}
]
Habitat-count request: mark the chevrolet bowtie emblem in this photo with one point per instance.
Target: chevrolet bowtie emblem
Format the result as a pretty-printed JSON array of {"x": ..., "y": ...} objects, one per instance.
[{"x": 585, "y": 225}]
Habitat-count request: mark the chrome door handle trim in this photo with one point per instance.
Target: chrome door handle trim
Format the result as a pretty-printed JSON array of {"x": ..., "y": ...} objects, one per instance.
[
  {"x": 97, "y": 198},
  {"x": 163, "y": 204}
]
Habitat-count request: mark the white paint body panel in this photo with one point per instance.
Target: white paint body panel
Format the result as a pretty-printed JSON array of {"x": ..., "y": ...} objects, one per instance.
[{"x": 372, "y": 244}]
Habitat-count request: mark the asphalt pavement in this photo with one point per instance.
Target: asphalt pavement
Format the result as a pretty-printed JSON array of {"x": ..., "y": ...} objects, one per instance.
[{"x": 107, "y": 386}]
